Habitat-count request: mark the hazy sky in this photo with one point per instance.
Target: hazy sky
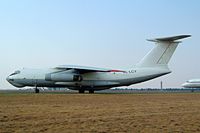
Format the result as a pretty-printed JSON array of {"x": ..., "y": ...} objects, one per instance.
[{"x": 101, "y": 33}]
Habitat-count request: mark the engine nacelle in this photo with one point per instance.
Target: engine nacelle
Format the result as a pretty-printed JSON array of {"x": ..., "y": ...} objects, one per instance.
[{"x": 63, "y": 77}]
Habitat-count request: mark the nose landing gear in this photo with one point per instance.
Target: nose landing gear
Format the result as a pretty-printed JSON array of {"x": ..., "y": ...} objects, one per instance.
[{"x": 36, "y": 89}]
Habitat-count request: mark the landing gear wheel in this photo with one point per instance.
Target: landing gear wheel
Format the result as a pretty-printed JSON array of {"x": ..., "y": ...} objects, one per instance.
[
  {"x": 91, "y": 91},
  {"x": 37, "y": 90},
  {"x": 81, "y": 91}
]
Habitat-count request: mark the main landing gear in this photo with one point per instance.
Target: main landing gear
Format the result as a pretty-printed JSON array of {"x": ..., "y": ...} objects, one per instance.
[
  {"x": 91, "y": 91},
  {"x": 83, "y": 91}
]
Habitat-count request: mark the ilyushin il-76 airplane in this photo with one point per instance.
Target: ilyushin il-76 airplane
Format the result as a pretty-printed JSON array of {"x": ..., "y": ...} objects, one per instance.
[{"x": 82, "y": 78}]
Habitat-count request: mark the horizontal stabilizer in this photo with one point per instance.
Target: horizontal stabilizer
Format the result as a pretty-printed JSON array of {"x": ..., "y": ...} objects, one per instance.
[{"x": 169, "y": 39}]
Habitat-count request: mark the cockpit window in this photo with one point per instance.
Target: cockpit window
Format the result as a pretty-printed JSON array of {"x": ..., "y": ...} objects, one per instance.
[{"x": 16, "y": 72}]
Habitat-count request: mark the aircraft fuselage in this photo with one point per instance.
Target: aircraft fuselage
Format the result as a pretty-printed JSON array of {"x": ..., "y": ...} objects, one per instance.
[{"x": 92, "y": 80}]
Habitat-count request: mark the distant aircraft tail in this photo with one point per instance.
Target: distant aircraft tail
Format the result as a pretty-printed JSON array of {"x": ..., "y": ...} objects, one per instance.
[{"x": 162, "y": 52}]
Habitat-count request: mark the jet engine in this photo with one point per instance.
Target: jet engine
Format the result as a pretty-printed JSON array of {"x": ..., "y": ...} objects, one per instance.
[{"x": 63, "y": 77}]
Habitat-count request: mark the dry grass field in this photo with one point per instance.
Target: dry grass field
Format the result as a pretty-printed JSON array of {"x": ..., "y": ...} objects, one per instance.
[{"x": 169, "y": 112}]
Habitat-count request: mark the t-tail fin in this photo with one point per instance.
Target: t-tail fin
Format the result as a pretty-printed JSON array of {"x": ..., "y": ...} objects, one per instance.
[{"x": 162, "y": 52}]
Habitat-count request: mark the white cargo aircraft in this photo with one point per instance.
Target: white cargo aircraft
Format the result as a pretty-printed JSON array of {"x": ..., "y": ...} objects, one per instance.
[
  {"x": 192, "y": 83},
  {"x": 81, "y": 78}
]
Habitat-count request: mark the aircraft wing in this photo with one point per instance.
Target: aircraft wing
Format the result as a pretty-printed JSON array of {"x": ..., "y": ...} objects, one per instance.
[{"x": 85, "y": 69}]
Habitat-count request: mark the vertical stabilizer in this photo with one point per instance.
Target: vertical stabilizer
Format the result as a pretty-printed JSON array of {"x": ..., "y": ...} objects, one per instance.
[{"x": 162, "y": 52}]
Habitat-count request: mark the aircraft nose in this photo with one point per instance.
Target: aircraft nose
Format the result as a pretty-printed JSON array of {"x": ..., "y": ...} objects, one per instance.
[
  {"x": 11, "y": 80},
  {"x": 8, "y": 78},
  {"x": 184, "y": 85}
]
